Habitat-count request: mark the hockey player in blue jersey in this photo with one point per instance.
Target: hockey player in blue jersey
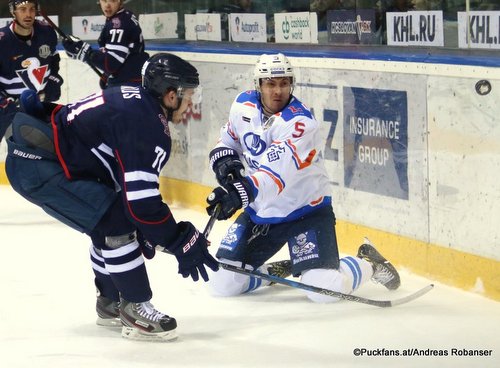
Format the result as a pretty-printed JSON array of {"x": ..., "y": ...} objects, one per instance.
[
  {"x": 121, "y": 54},
  {"x": 28, "y": 60},
  {"x": 95, "y": 167},
  {"x": 286, "y": 194}
]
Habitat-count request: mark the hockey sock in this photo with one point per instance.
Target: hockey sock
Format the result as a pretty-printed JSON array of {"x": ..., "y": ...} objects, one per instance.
[{"x": 356, "y": 270}]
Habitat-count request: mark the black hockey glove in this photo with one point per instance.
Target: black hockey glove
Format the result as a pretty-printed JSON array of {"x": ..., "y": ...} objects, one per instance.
[
  {"x": 52, "y": 89},
  {"x": 226, "y": 164},
  {"x": 190, "y": 249},
  {"x": 147, "y": 249},
  {"x": 77, "y": 49},
  {"x": 230, "y": 198}
]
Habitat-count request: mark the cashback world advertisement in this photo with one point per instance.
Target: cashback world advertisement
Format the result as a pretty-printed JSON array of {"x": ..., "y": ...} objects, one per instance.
[{"x": 376, "y": 141}]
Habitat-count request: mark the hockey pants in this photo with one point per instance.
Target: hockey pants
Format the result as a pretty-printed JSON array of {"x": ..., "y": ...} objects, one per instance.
[{"x": 35, "y": 173}]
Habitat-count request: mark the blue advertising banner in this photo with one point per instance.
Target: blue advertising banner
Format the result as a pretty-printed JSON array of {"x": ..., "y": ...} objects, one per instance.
[
  {"x": 376, "y": 141},
  {"x": 351, "y": 26}
]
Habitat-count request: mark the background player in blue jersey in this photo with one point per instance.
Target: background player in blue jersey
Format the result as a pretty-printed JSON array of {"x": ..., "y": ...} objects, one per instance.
[
  {"x": 95, "y": 166},
  {"x": 286, "y": 194},
  {"x": 28, "y": 60},
  {"x": 121, "y": 54}
]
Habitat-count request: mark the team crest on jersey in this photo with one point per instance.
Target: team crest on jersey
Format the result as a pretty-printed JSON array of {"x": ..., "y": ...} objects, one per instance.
[
  {"x": 164, "y": 122},
  {"x": 44, "y": 51},
  {"x": 116, "y": 22},
  {"x": 254, "y": 144},
  {"x": 304, "y": 247},
  {"x": 33, "y": 74},
  {"x": 230, "y": 240}
]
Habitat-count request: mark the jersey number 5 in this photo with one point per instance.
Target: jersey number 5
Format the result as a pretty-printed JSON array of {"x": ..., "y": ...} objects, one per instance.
[{"x": 299, "y": 129}]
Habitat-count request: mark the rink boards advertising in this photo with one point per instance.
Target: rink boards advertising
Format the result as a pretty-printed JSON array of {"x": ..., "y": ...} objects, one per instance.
[{"x": 411, "y": 149}]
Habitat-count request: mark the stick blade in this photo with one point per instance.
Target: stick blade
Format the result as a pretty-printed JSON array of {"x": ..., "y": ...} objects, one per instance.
[{"x": 415, "y": 295}]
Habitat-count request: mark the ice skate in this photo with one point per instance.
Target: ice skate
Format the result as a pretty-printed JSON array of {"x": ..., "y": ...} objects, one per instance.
[
  {"x": 281, "y": 269},
  {"x": 141, "y": 321},
  {"x": 108, "y": 312},
  {"x": 383, "y": 271}
]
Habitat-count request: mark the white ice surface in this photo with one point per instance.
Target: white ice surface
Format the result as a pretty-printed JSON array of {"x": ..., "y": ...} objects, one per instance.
[{"x": 47, "y": 316}]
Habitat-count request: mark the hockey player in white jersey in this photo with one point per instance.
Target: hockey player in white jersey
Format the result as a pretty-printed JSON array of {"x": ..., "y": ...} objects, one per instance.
[{"x": 285, "y": 192}]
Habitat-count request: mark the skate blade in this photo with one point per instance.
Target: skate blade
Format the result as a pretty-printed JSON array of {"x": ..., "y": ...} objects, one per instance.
[
  {"x": 135, "y": 334},
  {"x": 108, "y": 322}
]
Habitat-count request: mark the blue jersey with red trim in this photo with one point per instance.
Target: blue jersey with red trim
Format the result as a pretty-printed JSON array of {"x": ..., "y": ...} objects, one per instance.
[
  {"x": 28, "y": 64},
  {"x": 122, "y": 49},
  {"x": 120, "y": 136}
]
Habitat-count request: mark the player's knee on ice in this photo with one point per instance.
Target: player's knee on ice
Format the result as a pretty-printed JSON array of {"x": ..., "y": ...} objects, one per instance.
[
  {"x": 352, "y": 273},
  {"x": 228, "y": 283}
]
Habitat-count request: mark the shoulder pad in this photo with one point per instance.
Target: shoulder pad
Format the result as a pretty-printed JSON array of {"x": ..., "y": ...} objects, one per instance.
[
  {"x": 248, "y": 96},
  {"x": 294, "y": 109}
]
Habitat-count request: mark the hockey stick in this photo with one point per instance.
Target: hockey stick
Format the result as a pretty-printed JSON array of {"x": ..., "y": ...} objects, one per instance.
[
  {"x": 66, "y": 37},
  {"x": 315, "y": 289},
  {"x": 211, "y": 221},
  {"x": 336, "y": 294}
]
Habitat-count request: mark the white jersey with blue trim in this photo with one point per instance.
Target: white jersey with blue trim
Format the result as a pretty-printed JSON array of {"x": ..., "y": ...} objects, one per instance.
[{"x": 284, "y": 158}]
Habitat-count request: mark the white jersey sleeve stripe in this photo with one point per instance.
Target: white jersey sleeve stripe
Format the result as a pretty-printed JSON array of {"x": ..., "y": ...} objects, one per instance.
[
  {"x": 10, "y": 81},
  {"x": 141, "y": 175},
  {"x": 92, "y": 103},
  {"x": 106, "y": 165},
  {"x": 117, "y": 57},
  {"x": 15, "y": 91},
  {"x": 106, "y": 149},
  {"x": 141, "y": 194},
  {"x": 119, "y": 48}
]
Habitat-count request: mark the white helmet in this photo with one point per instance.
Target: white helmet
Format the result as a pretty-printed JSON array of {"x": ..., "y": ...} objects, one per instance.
[{"x": 272, "y": 66}]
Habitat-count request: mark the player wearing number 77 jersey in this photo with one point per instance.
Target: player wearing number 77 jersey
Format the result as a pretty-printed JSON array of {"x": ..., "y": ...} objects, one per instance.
[
  {"x": 121, "y": 46},
  {"x": 286, "y": 193}
]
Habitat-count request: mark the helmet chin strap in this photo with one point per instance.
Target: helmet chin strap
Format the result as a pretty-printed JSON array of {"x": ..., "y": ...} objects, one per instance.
[{"x": 170, "y": 111}]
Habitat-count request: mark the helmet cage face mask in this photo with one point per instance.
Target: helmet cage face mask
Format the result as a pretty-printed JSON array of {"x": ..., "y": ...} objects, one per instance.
[
  {"x": 272, "y": 66},
  {"x": 14, "y": 3}
]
